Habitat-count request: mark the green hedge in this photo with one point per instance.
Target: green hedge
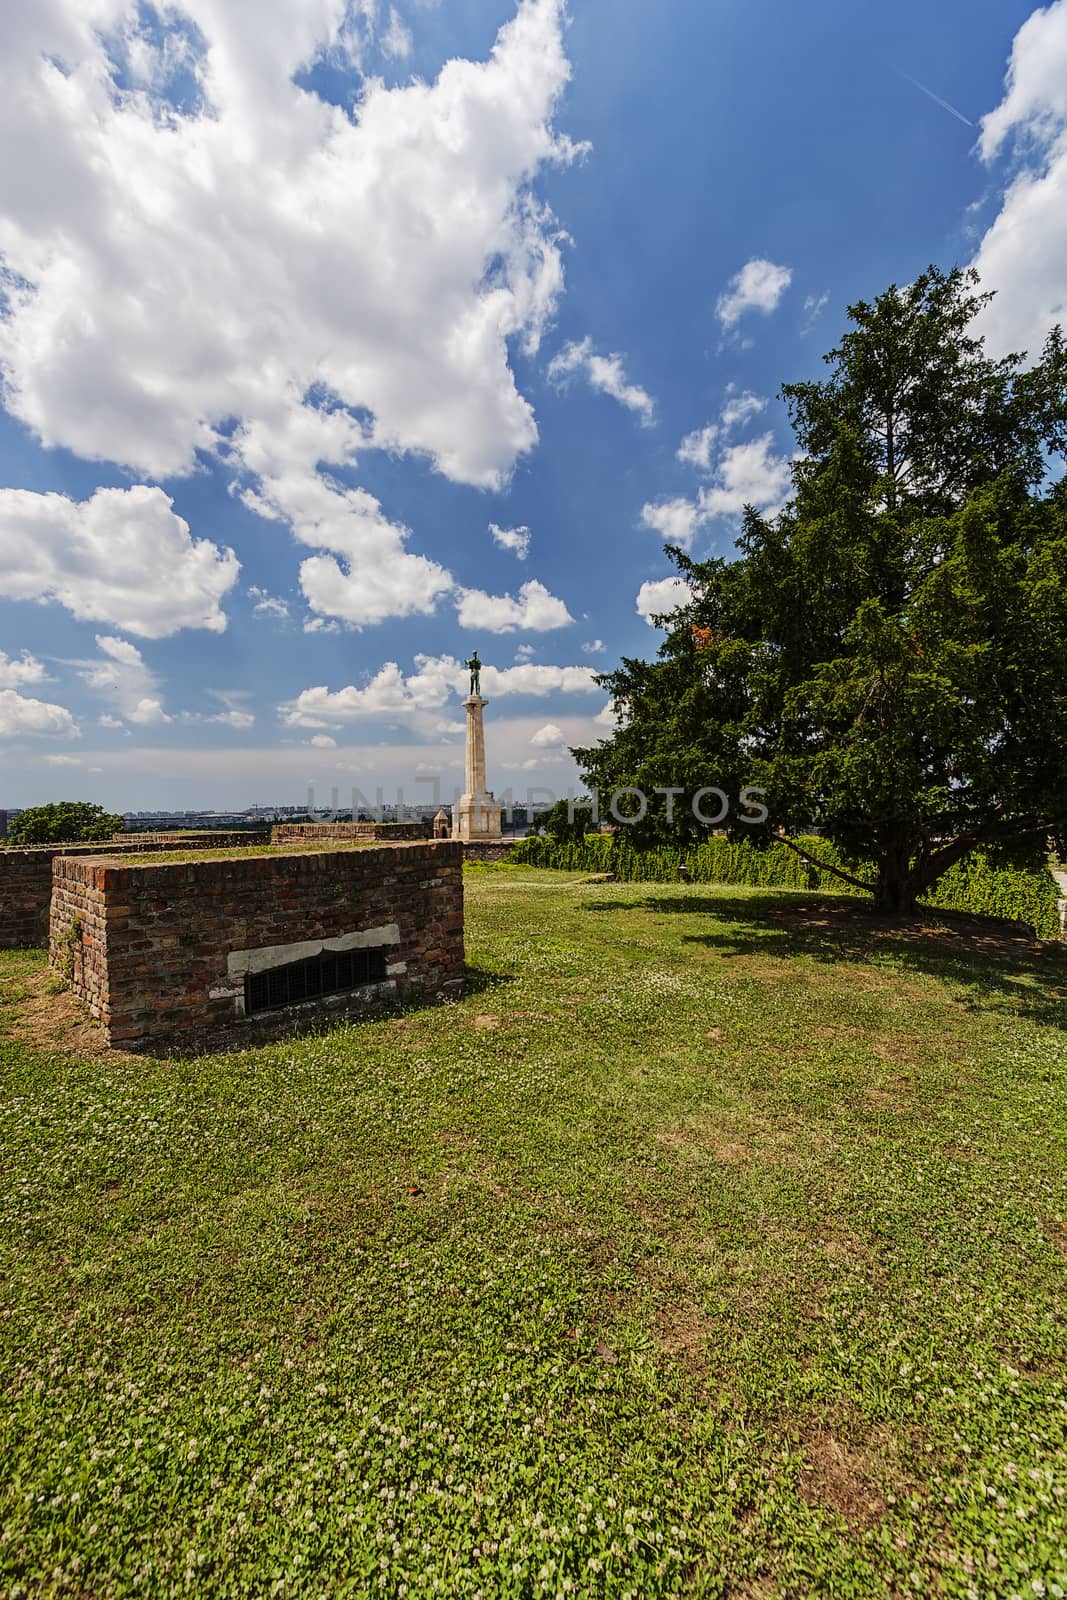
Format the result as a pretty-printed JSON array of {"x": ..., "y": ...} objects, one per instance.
[
  {"x": 974, "y": 885},
  {"x": 714, "y": 861}
]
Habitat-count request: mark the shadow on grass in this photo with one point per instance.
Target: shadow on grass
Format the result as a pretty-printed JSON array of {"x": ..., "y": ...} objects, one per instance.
[
  {"x": 50, "y": 1017},
  {"x": 1016, "y": 973},
  {"x": 478, "y": 981},
  {"x": 267, "y": 1029}
]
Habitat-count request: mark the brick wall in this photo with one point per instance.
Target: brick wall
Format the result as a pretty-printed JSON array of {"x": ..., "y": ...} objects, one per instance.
[
  {"x": 483, "y": 850},
  {"x": 336, "y": 832},
  {"x": 77, "y": 943},
  {"x": 26, "y": 876},
  {"x": 162, "y": 948}
]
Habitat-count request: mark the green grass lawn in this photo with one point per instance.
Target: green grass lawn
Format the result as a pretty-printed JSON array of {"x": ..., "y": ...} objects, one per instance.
[{"x": 707, "y": 1247}]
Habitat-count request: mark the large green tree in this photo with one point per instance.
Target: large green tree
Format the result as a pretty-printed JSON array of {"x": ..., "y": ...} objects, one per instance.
[
  {"x": 63, "y": 822},
  {"x": 887, "y": 657}
]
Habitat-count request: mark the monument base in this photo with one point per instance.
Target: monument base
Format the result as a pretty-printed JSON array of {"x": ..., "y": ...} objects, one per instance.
[{"x": 476, "y": 818}]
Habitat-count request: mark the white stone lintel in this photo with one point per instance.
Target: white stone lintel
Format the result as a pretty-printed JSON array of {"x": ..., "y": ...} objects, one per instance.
[{"x": 241, "y": 962}]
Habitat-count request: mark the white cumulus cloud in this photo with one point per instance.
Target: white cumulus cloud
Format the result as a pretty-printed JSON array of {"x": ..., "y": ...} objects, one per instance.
[
  {"x": 234, "y": 718},
  {"x": 747, "y": 472},
  {"x": 389, "y": 693},
  {"x": 369, "y": 575},
  {"x": 610, "y": 715},
  {"x": 677, "y": 520},
  {"x": 535, "y": 609},
  {"x": 24, "y": 669},
  {"x": 236, "y": 714},
  {"x": 123, "y": 677},
  {"x": 550, "y": 737},
  {"x": 392, "y": 694},
  {"x": 20, "y": 715},
  {"x": 604, "y": 373},
  {"x": 697, "y": 449},
  {"x": 659, "y": 597},
  {"x": 1023, "y": 255},
  {"x": 517, "y": 540},
  {"x": 531, "y": 678},
  {"x": 254, "y": 274},
  {"x": 268, "y": 605},
  {"x": 1035, "y": 90},
  {"x": 739, "y": 408},
  {"x": 759, "y": 286},
  {"x": 123, "y": 557}
]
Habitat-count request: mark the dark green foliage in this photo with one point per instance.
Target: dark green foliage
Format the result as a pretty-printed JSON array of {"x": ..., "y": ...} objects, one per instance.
[
  {"x": 64, "y": 822},
  {"x": 887, "y": 658},
  {"x": 976, "y": 885},
  {"x": 715, "y": 860},
  {"x": 567, "y": 821},
  {"x": 998, "y": 889}
]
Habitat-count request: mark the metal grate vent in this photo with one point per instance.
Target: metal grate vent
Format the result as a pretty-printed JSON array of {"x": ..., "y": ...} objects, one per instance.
[{"x": 332, "y": 972}]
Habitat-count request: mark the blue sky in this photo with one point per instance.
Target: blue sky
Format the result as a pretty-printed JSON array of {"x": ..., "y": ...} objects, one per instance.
[{"x": 304, "y": 298}]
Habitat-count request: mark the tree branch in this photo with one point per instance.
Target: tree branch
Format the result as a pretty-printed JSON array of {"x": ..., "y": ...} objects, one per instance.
[
  {"x": 939, "y": 861},
  {"x": 824, "y": 866}
]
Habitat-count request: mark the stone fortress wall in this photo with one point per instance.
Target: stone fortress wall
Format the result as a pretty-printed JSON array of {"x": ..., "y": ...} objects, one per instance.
[
  {"x": 26, "y": 875},
  {"x": 161, "y": 948}
]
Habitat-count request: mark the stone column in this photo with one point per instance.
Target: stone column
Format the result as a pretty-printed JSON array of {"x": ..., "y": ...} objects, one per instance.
[
  {"x": 477, "y": 816},
  {"x": 475, "y": 783}
]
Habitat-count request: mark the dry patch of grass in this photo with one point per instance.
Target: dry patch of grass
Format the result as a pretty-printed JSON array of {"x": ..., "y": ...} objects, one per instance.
[
  {"x": 847, "y": 1478},
  {"x": 684, "y": 1333},
  {"x": 47, "y": 1015}
]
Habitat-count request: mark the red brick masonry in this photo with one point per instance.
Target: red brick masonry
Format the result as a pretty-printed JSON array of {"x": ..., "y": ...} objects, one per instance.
[
  {"x": 26, "y": 875},
  {"x": 162, "y": 948}
]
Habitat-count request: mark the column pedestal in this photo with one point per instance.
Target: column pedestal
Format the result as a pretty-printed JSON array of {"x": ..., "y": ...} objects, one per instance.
[{"x": 476, "y": 817}]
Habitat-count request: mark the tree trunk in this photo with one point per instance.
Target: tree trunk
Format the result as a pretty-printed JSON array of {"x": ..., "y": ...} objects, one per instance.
[{"x": 897, "y": 886}]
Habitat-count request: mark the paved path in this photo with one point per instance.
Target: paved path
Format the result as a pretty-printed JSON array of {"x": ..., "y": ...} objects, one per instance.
[{"x": 1061, "y": 879}]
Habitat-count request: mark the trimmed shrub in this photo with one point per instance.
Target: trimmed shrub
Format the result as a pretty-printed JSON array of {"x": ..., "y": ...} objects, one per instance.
[{"x": 989, "y": 888}]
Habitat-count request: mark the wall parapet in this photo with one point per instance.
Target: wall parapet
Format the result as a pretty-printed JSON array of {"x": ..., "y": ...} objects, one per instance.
[{"x": 26, "y": 875}]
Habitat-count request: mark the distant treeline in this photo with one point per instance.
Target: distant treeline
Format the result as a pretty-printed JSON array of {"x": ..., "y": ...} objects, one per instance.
[{"x": 977, "y": 884}]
